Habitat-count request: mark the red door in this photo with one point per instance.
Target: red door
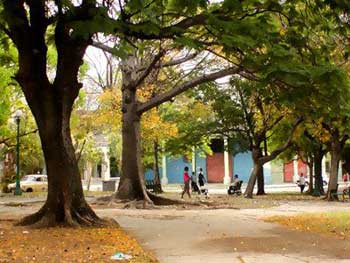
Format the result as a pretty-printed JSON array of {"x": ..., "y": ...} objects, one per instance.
[
  {"x": 288, "y": 172},
  {"x": 302, "y": 168},
  {"x": 216, "y": 167}
]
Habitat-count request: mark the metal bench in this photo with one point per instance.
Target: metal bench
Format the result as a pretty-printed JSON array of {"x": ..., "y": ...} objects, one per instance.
[
  {"x": 335, "y": 194},
  {"x": 153, "y": 187}
]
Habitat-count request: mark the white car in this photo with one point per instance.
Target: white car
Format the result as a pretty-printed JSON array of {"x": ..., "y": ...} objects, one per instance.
[{"x": 31, "y": 183}]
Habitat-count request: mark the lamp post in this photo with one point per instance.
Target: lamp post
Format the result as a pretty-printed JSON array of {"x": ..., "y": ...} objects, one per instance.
[{"x": 18, "y": 116}]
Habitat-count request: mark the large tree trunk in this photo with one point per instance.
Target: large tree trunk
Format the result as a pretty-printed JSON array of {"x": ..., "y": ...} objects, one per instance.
[
  {"x": 318, "y": 189},
  {"x": 257, "y": 170},
  {"x": 156, "y": 165},
  {"x": 65, "y": 202},
  {"x": 333, "y": 177},
  {"x": 251, "y": 182},
  {"x": 261, "y": 181},
  {"x": 130, "y": 186},
  {"x": 52, "y": 103},
  {"x": 310, "y": 164}
]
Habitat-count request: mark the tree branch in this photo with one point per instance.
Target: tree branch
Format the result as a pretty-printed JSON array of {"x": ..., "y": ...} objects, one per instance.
[
  {"x": 169, "y": 32},
  {"x": 19, "y": 27},
  {"x": 279, "y": 150},
  {"x": 81, "y": 150},
  {"x": 149, "y": 68},
  {"x": 4, "y": 141},
  {"x": 166, "y": 96},
  {"x": 6, "y": 30},
  {"x": 177, "y": 61}
]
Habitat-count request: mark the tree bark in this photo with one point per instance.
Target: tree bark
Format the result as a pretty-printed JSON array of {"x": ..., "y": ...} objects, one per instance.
[
  {"x": 260, "y": 176},
  {"x": 318, "y": 156},
  {"x": 65, "y": 202},
  {"x": 310, "y": 164},
  {"x": 156, "y": 165},
  {"x": 261, "y": 181},
  {"x": 251, "y": 182},
  {"x": 130, "y": 187},
  {"x": 335, "y": 158},
  {"x": 256, "y": 154}
]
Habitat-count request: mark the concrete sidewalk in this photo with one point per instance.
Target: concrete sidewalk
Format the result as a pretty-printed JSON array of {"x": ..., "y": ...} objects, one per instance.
[
  {"x": 222, "y": 189},
  {"x": 232, "y": 236}
]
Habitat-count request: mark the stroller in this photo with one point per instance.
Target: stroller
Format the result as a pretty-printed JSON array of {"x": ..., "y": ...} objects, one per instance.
[
  {"x": 195, "y": 187},
  {"x": 200, "y": 190},
  {"x": 204, "y": 191},
  {"x": 235, "y": 189}
]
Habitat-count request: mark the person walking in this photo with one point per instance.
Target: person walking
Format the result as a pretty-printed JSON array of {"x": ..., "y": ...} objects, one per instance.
[
  {"x": 201, "y": 179},
  {"x": 301, "y": 182},
  {"x": 187, "y": 183}
]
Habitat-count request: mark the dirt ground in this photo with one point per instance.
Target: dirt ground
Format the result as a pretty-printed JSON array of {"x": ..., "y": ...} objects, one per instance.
[{"x": 231, "y": 230}]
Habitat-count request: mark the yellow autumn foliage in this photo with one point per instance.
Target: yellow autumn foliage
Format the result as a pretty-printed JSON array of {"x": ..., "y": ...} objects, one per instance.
[
  {"x": 109, "y": 113},
  {"x": 155, "y": 129}
]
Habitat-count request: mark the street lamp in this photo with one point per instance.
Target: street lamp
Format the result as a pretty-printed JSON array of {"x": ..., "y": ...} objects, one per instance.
[{"x": 18, "y": 116}]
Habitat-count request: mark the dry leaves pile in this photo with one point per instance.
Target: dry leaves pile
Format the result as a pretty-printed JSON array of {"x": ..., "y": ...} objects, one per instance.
[
  {"x": 20, "y": 244},
  {"x": 333, "y": 223}
]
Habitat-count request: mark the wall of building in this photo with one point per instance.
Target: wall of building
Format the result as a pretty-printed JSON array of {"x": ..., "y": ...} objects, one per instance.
[
  {"x": 175, "y": 167},
  {"x": 243, "y": 166},
  {"x": 277, "y": 172},
  {"x": 216, "y": 168}
]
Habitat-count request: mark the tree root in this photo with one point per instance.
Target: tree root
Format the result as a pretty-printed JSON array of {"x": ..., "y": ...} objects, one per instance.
[
  {"x": 330, "y": 198},
  {"x": 156, "y": 202},
  {"x": 249, "y": 196},
  {"x": 82, "y": 216},
  {"x": 159, "y": 200}
]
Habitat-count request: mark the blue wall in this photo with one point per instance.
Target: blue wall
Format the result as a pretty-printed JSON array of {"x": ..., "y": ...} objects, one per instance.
[
  {"x": 149, "y": 174},
  {"x": 243, "y": 165},
  {"x": 175, "y": 168},
  {"x": 267, "y": 174}
]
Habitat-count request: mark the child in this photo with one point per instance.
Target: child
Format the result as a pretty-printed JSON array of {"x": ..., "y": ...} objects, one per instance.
[{"x": 187, "y": 183}]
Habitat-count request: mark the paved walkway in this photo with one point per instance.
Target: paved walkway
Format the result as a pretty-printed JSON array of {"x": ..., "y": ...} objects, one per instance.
[
  {"x": 223, "y": 235},
  {"x": 231, "y": 235}
]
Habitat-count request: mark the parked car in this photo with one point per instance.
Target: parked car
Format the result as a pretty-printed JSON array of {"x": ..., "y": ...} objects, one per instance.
[{"x": 31, "y": 183}]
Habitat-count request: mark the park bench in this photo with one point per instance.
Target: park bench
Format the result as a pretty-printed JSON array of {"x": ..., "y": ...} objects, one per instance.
[
  {"x": 346, "y": 192},
  {"x": 153, "y": 187}
]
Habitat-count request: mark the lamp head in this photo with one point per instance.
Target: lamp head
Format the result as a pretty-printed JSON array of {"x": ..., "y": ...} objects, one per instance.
[{"x": 18, "y": 114}]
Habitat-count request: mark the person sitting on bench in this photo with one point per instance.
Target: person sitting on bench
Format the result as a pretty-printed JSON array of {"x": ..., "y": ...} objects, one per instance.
[{"x": 235, "y": 182}]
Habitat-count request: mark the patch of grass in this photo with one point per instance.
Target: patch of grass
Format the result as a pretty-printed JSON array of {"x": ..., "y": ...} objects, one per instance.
[
  {"x": 226, "y": 201},
  {"x": 97, "y": 193},
  {"x": 332, "y": 223},
  {"x": 44, "y": 194},
  {"x": 25, "y": 195},
  {"x": 289, "y": 196}
]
